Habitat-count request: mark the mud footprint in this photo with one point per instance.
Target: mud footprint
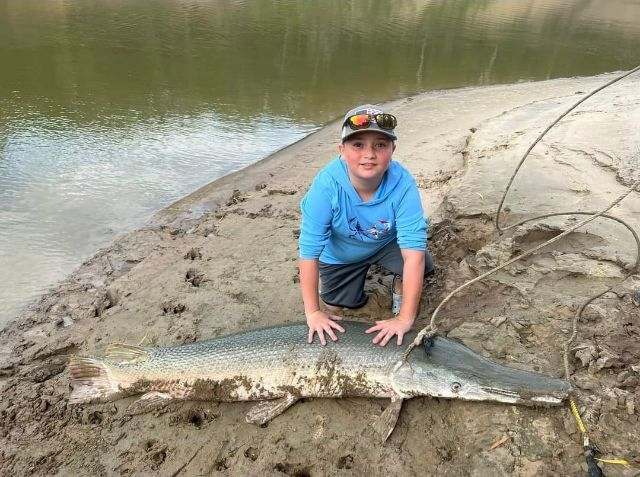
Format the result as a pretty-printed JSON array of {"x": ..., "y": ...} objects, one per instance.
[
  {"x": 172, "y": 307},
  {"x": 194, "y": 277},
  {"x": 193, "y": 254},
  {"x": 236, "y": 198},
  {"x": 252, "y": 453},
  {"x": 207, "y": 230},
  {"x": 156, "y": 453},
  {"x": 292, "y": 469},
  {"x": 104, "y": 301},
  {"x": 345, "y": 462}
]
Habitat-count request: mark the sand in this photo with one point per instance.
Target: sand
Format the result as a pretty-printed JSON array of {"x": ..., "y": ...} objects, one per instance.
[{"x": 224, "y": 259}]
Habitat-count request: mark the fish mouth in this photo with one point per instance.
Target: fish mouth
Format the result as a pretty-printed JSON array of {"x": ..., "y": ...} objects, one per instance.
[
  {"x": 501, "y": 392},
  {"x": 547, "y": 399},
  {"x": 505, "y": 395}
]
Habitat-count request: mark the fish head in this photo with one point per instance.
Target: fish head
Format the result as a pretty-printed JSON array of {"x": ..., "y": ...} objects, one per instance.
[{"x": 448, "y": 369}]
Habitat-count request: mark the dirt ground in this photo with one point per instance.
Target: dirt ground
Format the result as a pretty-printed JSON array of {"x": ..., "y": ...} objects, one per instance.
[{"x": 224, "y": 260}]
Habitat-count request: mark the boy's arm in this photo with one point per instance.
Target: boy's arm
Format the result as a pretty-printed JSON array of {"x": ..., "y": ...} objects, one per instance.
[
  {"x": 411, "y": 223},
  {"x": 314, "y": 232},
  {"x": 412, "y": 277},
  {"x": 309, "y": 277},
  {"x": 317, "y": 320}
]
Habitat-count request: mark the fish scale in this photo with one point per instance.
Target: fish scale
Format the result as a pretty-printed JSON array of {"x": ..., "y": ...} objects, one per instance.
[{"x": 278, "y": 363}]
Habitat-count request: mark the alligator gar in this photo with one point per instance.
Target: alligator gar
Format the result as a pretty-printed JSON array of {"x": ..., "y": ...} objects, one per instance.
[{"x": 278, "y": 367}]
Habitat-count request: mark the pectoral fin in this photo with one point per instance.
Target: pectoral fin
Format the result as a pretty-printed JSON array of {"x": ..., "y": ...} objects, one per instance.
[
  {"x": 151, "y": 401},
  {"x": 264, "y": 411},
  {"x": 386, "y": 422}
]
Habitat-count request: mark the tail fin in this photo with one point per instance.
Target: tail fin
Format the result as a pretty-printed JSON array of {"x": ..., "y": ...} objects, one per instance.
[{"x": 91, "y": 380}]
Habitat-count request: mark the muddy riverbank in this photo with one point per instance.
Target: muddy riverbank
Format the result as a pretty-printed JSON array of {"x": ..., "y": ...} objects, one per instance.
[{"x": 224, "y": 259}]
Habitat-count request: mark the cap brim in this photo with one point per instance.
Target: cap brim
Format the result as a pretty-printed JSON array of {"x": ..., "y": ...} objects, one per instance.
[{"x": 347, "y": 132}]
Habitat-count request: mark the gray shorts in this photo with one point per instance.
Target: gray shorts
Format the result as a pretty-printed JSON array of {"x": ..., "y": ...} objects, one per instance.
[{"x": 343, "y": 285}]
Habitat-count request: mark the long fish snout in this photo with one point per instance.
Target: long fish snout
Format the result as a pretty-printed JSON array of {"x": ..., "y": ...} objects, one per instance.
[{"x": 452, "y": 370}]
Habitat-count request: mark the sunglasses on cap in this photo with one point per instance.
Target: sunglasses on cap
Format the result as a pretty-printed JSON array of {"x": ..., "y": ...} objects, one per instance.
[{"x": 363, "y": 121}]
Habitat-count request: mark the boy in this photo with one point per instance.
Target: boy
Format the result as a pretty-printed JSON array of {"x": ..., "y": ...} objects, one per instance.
[{"x": 362, "y": 208}]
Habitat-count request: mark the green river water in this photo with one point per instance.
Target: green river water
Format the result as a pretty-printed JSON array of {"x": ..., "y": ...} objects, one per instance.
[{"x": 113, "y": 109}]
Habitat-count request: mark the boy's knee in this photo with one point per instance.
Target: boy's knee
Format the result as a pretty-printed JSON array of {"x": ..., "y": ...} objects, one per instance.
[{"x": 340, "y": 301}]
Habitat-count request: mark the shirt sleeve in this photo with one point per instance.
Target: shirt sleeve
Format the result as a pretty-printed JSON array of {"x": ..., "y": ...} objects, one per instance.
[
  {"x": 411, "y": 224},
  {"x": 315, "y": 226}
]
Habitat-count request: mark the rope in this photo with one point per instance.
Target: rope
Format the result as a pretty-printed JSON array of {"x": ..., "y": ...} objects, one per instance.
[
  {"x": 526, "y": 154},
  {"x": 430, "y": 330},
  {"x": 576, "y": 414},
  {"x": 589, "y": 449},
  {"x": 574, "y": 332}
]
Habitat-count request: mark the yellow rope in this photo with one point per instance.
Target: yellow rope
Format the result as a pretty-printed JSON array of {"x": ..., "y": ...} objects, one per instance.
[
  {"x": 615, "y": 461},
  {"x": 576, "y": 414},
  {"x": 583, "y": 430}
]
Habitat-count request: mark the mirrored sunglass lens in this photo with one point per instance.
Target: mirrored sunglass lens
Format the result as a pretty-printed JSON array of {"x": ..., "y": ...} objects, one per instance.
[
  {"x": 386, "y": 121},
  {"x": 359, "y": 121}
]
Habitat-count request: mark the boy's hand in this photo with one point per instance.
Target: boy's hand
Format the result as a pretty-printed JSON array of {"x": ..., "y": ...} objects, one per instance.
[
  {"x": 321, "y": 323},
  {"x": 388, "y": 328}
]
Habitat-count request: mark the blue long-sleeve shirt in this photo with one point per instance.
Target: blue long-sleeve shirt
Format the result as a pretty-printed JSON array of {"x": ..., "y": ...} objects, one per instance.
[{"x": 338, "y": 227}]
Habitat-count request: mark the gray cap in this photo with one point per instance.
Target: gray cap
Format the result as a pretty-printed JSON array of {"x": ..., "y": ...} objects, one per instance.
[{"x": 365, "y": 109}]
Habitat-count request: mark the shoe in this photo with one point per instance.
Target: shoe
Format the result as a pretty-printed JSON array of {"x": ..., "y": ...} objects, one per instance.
[{"x": 396, "y": 298}]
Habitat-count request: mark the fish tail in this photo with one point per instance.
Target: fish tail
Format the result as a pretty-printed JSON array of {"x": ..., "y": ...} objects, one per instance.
[{"x": 91, "y": 380}]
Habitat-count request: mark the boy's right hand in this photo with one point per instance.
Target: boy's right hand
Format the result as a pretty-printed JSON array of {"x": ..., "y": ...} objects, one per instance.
[{"x": 321, "y": 323}]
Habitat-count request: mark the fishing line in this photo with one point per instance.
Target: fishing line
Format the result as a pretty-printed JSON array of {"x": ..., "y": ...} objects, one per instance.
[
  {"x": 533, "y": 144},
  {"x": 430, "y": 330}
]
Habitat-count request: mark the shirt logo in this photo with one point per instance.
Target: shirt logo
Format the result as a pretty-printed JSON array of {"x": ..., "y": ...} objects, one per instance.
[{"x": 377, "y": 231}]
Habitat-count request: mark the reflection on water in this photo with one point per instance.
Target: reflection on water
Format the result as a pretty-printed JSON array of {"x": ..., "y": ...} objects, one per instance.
[
  {"x": 110, "y": 110},
  {"x": 68, "y": 188}
]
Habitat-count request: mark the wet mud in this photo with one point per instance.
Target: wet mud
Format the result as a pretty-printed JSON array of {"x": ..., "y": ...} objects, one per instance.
[{"x": 224, "y": 260}]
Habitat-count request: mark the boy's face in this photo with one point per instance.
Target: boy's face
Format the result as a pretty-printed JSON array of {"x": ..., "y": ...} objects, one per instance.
[{"x": 368, "y": 155}]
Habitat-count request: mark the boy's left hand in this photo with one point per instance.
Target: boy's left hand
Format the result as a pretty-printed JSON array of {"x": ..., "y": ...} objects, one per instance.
[{"x": 387, "y": 329}]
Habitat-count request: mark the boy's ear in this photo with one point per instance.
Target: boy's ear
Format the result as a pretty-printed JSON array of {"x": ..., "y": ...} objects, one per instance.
[
  {"x": 394, "y": 146},
  {"x": 340, "y": 147}
]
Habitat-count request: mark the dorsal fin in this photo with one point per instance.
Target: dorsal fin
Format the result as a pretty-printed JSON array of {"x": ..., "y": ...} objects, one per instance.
[{"x": 124, "y": 353}]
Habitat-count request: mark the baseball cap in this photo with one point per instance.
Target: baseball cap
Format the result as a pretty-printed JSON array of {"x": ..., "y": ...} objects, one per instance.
[{"x": 373, "y": 126}]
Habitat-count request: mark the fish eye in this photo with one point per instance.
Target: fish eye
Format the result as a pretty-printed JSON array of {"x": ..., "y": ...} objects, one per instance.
[{"x": 455, "y": 387}]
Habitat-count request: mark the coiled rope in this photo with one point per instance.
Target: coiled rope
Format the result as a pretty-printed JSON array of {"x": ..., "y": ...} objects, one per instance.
[{"x": 430, "y": 330}]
